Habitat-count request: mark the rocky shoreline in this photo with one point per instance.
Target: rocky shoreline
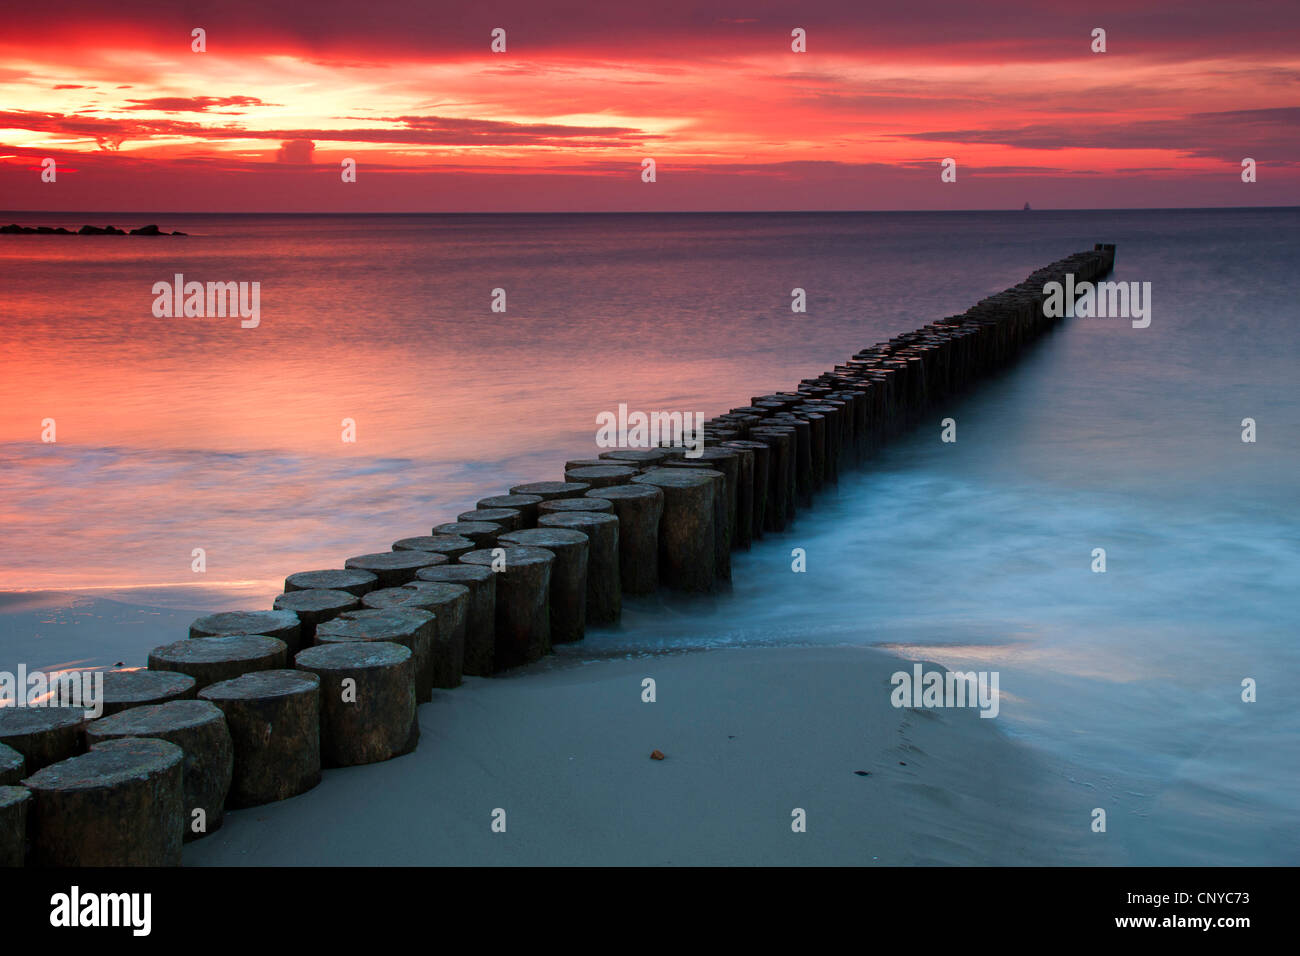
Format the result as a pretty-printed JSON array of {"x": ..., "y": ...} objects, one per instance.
[{"x": 13, "y": 229}]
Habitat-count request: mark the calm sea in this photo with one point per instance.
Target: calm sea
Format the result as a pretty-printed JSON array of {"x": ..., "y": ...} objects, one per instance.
[{"x": 177, "y": 434}]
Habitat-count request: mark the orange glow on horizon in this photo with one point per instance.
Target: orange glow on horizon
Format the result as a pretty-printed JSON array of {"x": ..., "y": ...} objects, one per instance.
[{"x": 850, "y": 121}]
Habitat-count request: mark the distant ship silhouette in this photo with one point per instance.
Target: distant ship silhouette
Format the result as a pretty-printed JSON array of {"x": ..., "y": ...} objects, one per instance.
[{"x": 1026, "y": 207}]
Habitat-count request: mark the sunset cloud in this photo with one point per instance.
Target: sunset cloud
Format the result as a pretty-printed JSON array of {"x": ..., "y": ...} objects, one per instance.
[
  {"x": 193, "y": 104},
  {"x": 296, "y": 151},
  {"x": 1009, "y": 90}
]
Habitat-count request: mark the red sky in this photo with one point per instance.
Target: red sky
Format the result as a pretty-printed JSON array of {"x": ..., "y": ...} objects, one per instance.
[{"x": 584, "y": 92}]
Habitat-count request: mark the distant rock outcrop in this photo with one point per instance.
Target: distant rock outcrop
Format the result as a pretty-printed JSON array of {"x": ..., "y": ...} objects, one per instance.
[{"x": 13, "y": 229}]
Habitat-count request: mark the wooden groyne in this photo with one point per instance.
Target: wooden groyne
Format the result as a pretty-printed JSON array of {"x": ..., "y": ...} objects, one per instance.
[{"x": 253, "y": 704}]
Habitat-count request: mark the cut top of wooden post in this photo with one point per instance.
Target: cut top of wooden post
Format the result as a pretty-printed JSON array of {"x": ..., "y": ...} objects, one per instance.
[
  {"x": 395, "y": 567},
  {"x": 620, "y": 492},
  {"x": 512, "y": 501},
  {"x": 155, "y": 719},
  {"x": 318, "y": 602},
  {"x": 645, "y": 456},
  {"x": 110, "y": 764},
  {"x": 212, "y": 659},
  {"x": 602, "y": 476},
  {"x": 586, "y": 504},
  {"x": 549, "y": 539},
  {"x": 546, "y": 490},
  {"x": 452, "y": 545},
  {"x": 671, "y": 478},
  {"x": 262, "y": 685},
  {"x": 480, "y": 532},
  {"x": 374, "y": 623},
  {"x": 352, "y": 656},
  {"x": 125, "y": 689},
  {"x": 41, "y": 734},
  {"x": 281, "y": 624},
  {"x": 352, "y": 580},
  {"x": 453, "y": 573},
  {"x": 514, "y": 556},
  {"x": 507, "y": 518}
]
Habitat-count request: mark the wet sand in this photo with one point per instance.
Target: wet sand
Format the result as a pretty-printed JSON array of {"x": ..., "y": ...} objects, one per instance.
[{"x": 748, "y": 735}]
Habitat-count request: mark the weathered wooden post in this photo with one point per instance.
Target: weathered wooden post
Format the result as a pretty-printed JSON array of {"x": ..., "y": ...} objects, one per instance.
[
  {"x": 199, "y": 728},
  {"x": 367, "y": 700},
  {"x": 550, "y": 490},
  {"x": 412, "y": 627},
  {"x": 13, "y": 766},
  {"x": 641, "y": 457},
  {"x": 727, "y": 462},
  {"x": 568, "y": 599},
  {"x": 761, "y": 465},
  {"x": 353, "y": 581},
  {"x": 452, "y": 545},
  {"x": 316, "y": 606},
  {"x": 395, "y": 568},
  {"x": 601, "y": 476},
  {"x": 42, "y": 735},
  {"x": 274, "y": 721},
  {"x": 638, "y": 508},
  {"x": 279, "y": 624},
  {"x": 121, "y": 804},
  {"x": 523, "y": 607},
  {"x": 526, "y": 505},
  {"x": 210, "y": 660},
  {"x": 136, "y": 688},
  {"x": 582, "y": 505},
  {"x": 686, "y": 530},
  {"x": 780, "y": 488},
  {"x": 604, "y": 589},
  {"x": 14, "y": 804},
  {"x": 482, "y": 533},
  {"x": 480, "y": 615},
  {"x": 507, "y": 519},
  {"x": 449, "y": 604}
]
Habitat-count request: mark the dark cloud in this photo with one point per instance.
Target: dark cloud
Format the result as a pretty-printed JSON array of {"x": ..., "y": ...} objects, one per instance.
[
  {"x": 1229, "y": 134},
  {"x": 414, "y": 131},
  {"x": 295, "y": 151},
  {"x": 194, "y": 104},
  {"x": 497, "y": 132}
]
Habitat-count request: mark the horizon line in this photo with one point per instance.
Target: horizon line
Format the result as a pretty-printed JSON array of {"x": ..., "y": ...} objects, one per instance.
[{"x": 627, "y": 212}]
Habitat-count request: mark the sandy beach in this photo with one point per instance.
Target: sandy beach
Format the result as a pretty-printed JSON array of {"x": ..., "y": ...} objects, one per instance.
[
  {"x": 1124, "y": 685},
  {"x": 748, "y": 735},
  {"x": 563, "y": 747}
]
